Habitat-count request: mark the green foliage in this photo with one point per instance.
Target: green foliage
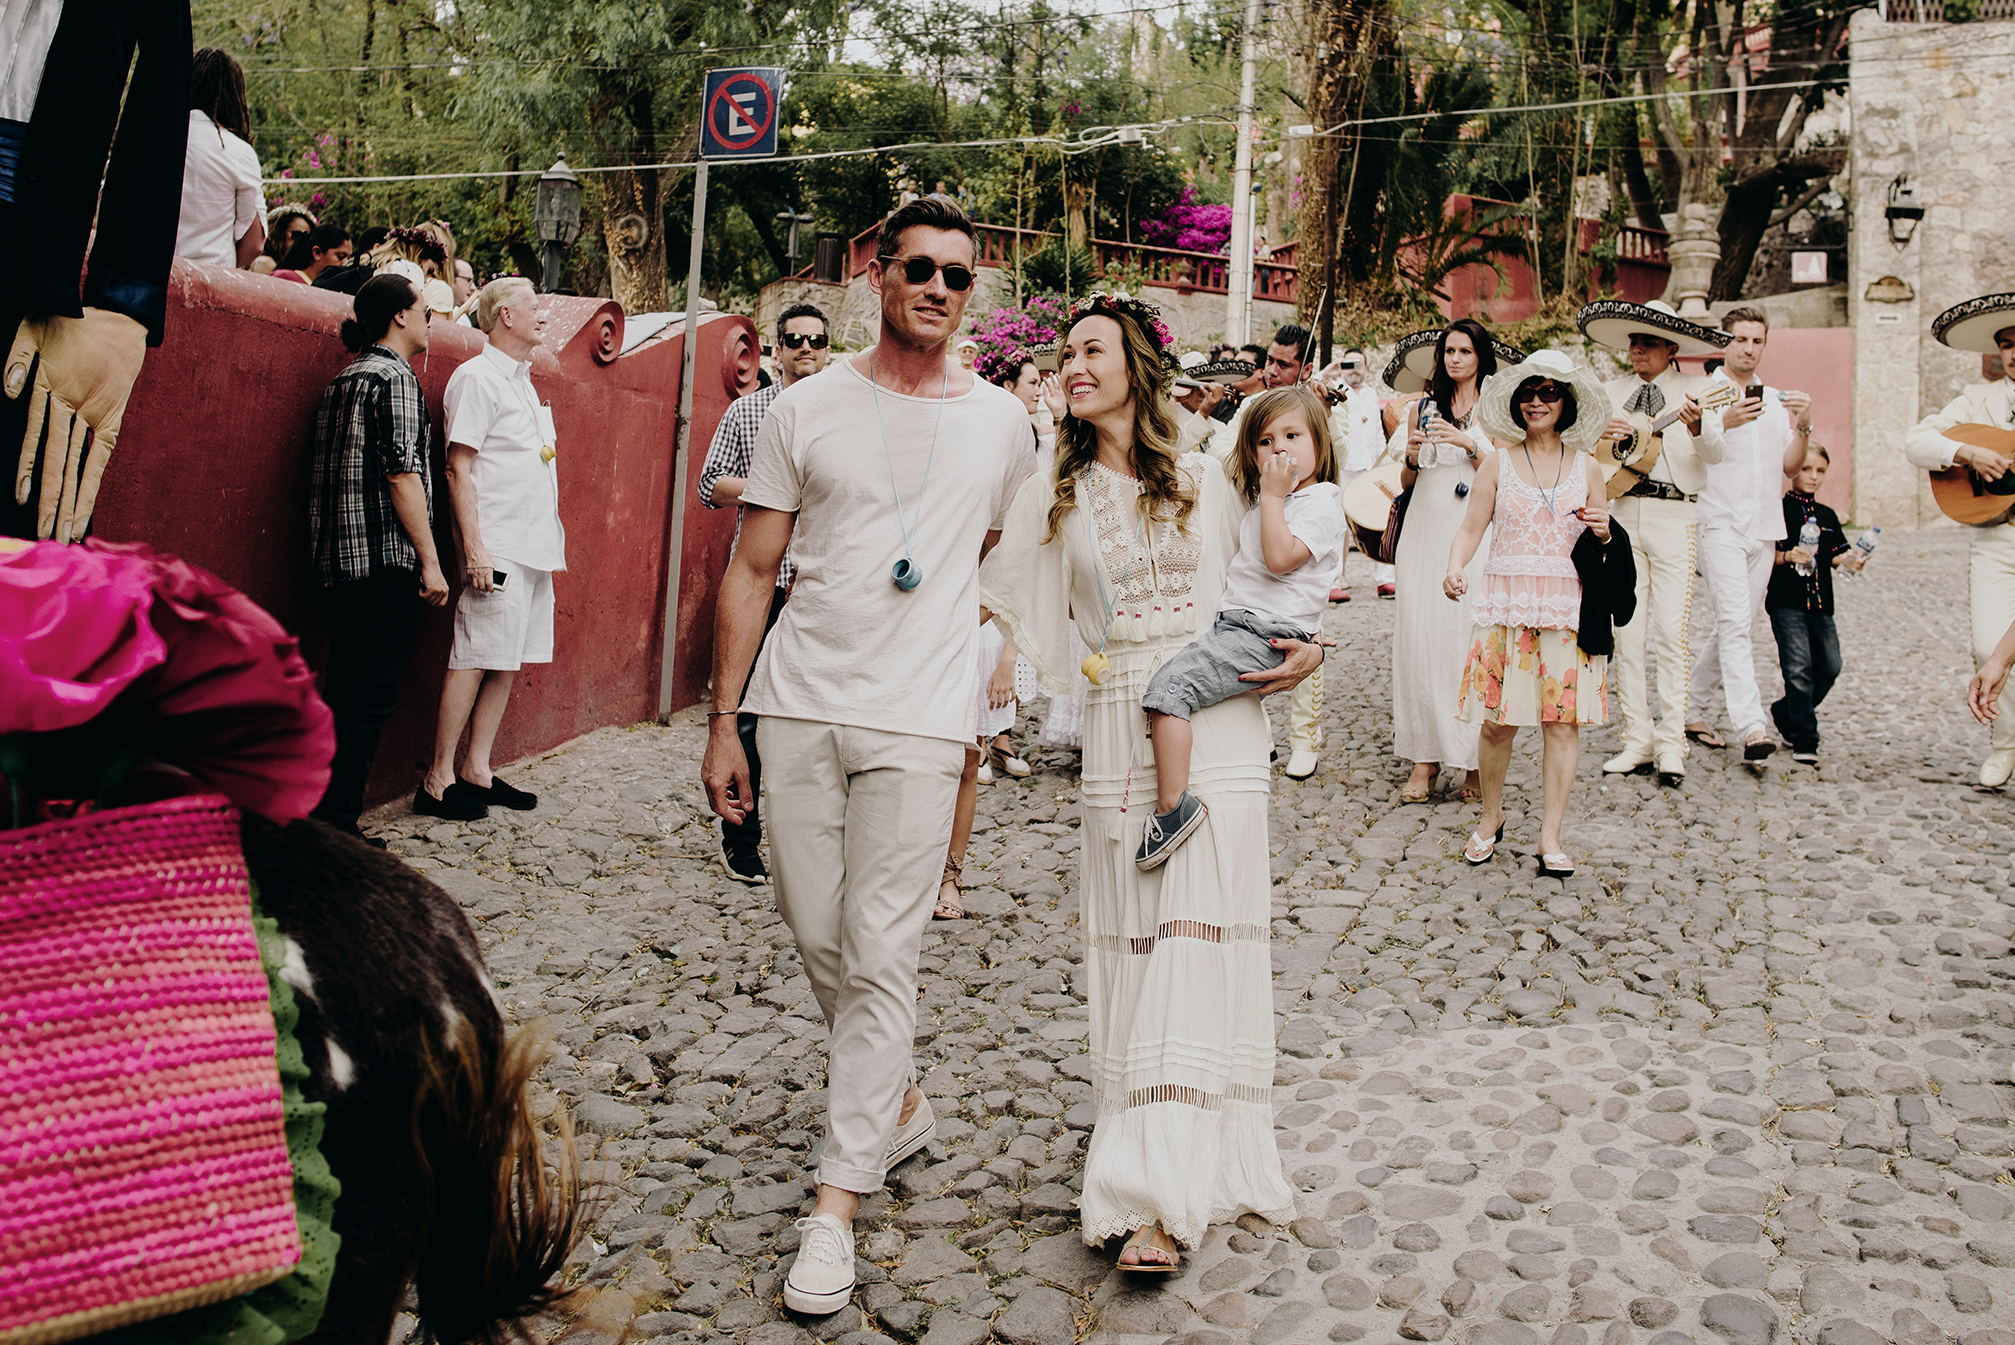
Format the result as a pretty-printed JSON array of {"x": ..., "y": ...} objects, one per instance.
[{"x": 1057, "y": 268}]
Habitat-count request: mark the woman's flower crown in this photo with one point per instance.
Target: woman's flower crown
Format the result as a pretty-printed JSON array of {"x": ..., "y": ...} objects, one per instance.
[
  {"x": 422, "y": 242},
  {"x": 1116, "y": 302}
]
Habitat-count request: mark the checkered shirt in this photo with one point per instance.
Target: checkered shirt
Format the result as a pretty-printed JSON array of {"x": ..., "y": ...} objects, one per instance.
[
  {"x": 733, "y": 452},
  {"x": 371, "y": 424}
]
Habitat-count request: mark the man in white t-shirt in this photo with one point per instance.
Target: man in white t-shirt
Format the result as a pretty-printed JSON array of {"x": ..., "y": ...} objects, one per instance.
[
  {"x": 1357, "y": 428},
  {"x": 887, "y": 476},
  {"x": 503, "y": 476},
  {"x": 1739, "y": 520},
  {"x": 223, "y": 219}
]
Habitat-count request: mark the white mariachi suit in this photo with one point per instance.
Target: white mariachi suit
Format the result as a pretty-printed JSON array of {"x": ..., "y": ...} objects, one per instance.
[
  {"x": 1662, "y": 544},
  {"x": 1991, "y": 569}
]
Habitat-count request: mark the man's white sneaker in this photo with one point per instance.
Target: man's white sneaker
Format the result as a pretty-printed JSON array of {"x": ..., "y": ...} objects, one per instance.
[
  {"x": 822, "y": 1278},
  {"x": 1300, "y": 764},
  {"x": 1994, "y": 771},
  {"x": 912, "y": 1135}
]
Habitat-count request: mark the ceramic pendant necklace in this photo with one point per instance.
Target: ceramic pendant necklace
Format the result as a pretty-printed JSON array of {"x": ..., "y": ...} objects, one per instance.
[
  {"x": 1097, "y": 665},
  {"x": 907, "y": 574}
]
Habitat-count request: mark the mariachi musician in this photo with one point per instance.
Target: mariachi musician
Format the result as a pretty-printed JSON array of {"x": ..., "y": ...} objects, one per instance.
[
  {"x": 1657, "y": 512},
  {"x": 1984, "y": 325}
]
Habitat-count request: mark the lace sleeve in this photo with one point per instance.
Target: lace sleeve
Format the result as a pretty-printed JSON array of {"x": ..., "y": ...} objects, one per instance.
[{"x": 1025, "y": 583}]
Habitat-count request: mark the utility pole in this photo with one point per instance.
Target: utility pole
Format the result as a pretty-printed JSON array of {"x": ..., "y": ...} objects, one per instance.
[
  {"x": 796, "y": 221},
  {"x": 1238, "y": 296}
]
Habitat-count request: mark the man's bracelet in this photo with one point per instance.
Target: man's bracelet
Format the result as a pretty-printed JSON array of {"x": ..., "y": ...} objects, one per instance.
[{"x": 716, "y": 714}]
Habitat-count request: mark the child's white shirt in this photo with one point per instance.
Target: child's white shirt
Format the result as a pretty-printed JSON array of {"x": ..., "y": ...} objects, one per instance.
[{"x": 1301, "y": 596}]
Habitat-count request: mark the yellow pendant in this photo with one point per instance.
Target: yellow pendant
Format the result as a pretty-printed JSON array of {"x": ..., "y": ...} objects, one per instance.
[
  {"x": 547, "y": 453},
  {"x": 1095, "y": 667}
]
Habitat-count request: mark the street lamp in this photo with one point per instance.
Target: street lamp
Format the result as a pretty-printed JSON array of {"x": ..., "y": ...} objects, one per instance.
[
  {"x": 556, "y": 213},
  {"x": 1903, "y": 213},
  {"x": 797, "y": 221}
]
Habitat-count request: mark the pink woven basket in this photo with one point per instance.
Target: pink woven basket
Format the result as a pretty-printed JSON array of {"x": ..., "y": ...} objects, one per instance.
[{"x": 143, "y": 1164}]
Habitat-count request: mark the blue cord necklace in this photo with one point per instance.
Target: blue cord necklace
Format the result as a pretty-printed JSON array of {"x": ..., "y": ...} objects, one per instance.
[{"x": 906, "y": 573}]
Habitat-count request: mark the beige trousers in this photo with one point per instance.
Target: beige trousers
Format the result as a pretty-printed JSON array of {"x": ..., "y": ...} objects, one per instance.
[
  {"x": 859, "y": 823},
  {"x": 1991, "y": 576},
  {"x": 1661, "y": 542}
]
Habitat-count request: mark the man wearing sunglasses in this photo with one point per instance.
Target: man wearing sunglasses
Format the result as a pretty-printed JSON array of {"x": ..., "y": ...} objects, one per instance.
[
  {"x": 803, "y": 344},
  {"x": 888, "y": 477}
]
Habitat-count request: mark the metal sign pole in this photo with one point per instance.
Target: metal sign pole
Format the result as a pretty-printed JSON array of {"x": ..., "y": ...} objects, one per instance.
[{"x": 683, "y": 458}]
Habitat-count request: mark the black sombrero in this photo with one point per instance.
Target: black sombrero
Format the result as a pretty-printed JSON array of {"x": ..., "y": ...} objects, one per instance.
[
  {"x": 1222, "y": 371},
  {"x": 1612, "y": 322},
  {"x": 1413, "y": 360},
  {"x": 1972, "y": 325}
]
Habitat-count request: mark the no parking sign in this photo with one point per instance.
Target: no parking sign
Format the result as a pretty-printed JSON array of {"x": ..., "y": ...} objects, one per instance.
[{"x": 742, "y": 108}]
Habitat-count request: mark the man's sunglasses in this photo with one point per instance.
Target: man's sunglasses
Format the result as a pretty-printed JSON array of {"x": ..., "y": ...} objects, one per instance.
[
  {"x": 919, "y": 270},
  {"x": 795, "y": 340},
  {"x": 1547, "y": 392}
]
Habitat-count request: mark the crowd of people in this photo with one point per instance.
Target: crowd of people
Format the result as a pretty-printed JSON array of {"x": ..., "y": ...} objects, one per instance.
[
  {"x": 1142, "y": 537},
  {"x": 226, "y": 222}
]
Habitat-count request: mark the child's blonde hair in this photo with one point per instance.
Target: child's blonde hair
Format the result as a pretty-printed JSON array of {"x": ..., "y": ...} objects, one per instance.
[{"x": 1266, "y": 408}]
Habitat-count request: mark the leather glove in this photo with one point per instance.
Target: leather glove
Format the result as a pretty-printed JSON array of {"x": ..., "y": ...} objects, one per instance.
[{"x": 82, "y": 381}]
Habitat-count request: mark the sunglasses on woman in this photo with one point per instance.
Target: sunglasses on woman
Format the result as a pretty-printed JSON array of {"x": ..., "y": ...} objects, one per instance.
[
  {"x": 796, "y": 340},
  {"x": 1546, "y": 392},
  {"x": 919, "y": 270}
]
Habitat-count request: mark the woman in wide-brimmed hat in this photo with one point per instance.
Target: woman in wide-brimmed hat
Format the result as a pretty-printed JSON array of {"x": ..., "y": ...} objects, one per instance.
[
  {"x": 1526, "y": 665},
  {"x": 1985, "y": 325}
]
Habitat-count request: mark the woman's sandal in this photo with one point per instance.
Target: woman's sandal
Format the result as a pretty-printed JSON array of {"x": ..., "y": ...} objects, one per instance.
[
  {"x": 953, "y": 909},
  {"x": 1422, "y": 796},
  {"x": 1141, "y": 1243},
  {"x": 1008, "y": 761},
  {"x": 1470, "y": 792},
  {"x": 1557, "y": 865},
  {"x": 1479, "y": 850},
  {"x": 1705, "y": 736}
]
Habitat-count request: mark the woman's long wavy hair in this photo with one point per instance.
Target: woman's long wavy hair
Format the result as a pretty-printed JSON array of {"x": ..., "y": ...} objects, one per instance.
[
  {"x": 1442, "y": 387},
  {"x": 1164, "y": 496}
]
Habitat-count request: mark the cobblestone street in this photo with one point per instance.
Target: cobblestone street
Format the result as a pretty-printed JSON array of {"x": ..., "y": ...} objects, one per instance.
[{"x": 1742, "y": 1079}]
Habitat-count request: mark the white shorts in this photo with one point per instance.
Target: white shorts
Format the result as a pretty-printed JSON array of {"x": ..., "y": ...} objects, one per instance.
[{"x": 499, "y": 632}]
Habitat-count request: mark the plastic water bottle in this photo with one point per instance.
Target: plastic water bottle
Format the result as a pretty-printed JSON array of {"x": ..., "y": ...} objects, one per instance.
[
  {"x": 1808, "y": 538},
  {"x": 1866, "y": 543}
]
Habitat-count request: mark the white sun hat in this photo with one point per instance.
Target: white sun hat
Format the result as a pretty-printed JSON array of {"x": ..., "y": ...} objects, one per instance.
[{"x": 1591, "y": 400}]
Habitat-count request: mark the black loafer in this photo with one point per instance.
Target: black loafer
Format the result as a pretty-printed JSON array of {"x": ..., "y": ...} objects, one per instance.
[
  {"x": 458, "y": 803},
  {"x": 501, "y": 794}
]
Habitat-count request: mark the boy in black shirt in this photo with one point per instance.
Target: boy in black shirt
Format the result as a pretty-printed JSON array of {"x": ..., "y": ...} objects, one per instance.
[{"x": 1801, "y": 609}]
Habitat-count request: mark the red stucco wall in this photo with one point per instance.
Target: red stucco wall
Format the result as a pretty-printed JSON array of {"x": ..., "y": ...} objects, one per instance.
[{"x": 213, "y": 466}]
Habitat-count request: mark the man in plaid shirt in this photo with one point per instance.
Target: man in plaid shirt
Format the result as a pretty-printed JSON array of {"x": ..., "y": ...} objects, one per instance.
[
  {"x": 803, "y": 345},
  {"x": 370, "y": 528}
]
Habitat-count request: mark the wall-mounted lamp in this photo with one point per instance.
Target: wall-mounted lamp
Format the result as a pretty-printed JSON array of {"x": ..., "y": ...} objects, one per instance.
[{"x": 1902, "y": 212}]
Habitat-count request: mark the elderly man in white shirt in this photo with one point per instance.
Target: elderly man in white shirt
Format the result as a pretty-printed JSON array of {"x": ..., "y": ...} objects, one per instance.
[
  {"x": 1740, "y": 518},
  {"x": 1358, "y": 430},
  {"x": 503, "y": 478},
  {"x": 1983, "y": 325}
]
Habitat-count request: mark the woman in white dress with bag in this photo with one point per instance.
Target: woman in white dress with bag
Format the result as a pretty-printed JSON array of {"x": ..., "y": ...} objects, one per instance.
[
  {"x": 1431, "y": 636},
  {"x": 1130, "y": 541}
]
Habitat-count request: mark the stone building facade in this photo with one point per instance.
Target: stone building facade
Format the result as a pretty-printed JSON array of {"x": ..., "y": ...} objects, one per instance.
[{"x": 1936, "y": 102}]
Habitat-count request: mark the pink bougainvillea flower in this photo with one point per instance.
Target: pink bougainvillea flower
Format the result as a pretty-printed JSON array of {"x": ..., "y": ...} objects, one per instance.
[{"x": 215, "y": 685}]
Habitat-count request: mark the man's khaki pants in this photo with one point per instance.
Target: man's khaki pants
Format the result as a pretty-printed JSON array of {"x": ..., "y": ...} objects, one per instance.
[
  {"x": 1661, "y": 543},
  {"x": 1991, "y": 575},
  {"x": 859, "y": 824},
  {"x": 1304, "y": 714}
]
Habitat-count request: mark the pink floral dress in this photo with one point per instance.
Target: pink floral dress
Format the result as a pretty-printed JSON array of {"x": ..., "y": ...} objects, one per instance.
[{"x": 1526, "y": 665}]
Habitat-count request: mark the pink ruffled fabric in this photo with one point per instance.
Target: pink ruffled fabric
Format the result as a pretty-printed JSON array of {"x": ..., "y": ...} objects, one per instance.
[{"x": 221, "y": 686}]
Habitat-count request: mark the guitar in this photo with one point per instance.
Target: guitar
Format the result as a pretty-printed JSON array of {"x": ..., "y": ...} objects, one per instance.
[
  {"x": 1961, "y": 493},
  {"x": 1625, "y": 462}
]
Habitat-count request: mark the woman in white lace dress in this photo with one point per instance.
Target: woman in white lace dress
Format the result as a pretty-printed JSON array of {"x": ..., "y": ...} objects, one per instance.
[
  {"x": 1429, "y": 637},
  {"x": 1526, "y": 665},
  {"x": 1129, "y": 542}
]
